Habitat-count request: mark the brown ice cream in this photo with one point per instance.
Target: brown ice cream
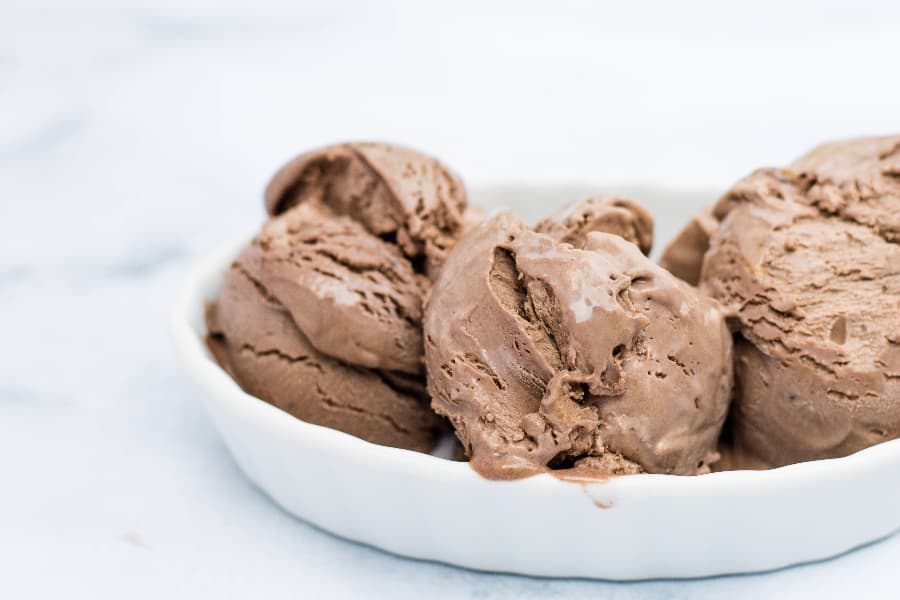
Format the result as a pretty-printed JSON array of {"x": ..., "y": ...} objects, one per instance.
[
  {"x": 563, "y": 348},
  {"x": 395, "y": 193},
  {"x": 321, "y": 315},
  {"x": 254, "y": 338},
  {"x": 683, "y": 257},
  {"x": 546, "y": 356},
  {"x": 611, "y": 214},
  {"x": 806, "y": 260}
]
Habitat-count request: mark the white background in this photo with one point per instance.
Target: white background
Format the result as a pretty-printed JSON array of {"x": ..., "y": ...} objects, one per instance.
[{"x": 136, "y": 136}]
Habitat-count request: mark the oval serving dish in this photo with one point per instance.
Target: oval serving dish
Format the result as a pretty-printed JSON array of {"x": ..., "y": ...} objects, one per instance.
[{"x": 631, "y": 527}]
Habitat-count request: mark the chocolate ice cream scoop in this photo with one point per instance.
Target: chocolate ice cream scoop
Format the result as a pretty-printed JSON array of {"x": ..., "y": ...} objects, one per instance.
[
  {"x": 396, "y": 193},
  {"x": 254, "y": 337},
  {"x": 354, "y": 296},
  {"x": 807, "y": 262},
  {"x": 610, "y": 214},
  {"x": 545, "y": 356},
  {"x": 322, "y": 313}
]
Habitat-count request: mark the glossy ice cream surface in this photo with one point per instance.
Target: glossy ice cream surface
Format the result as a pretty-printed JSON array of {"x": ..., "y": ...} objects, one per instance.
[
  {"x": 546, "y": 356},
  {"x": 562, "y": 348}
]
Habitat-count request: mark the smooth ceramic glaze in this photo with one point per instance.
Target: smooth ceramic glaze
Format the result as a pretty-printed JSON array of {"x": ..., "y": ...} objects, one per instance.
[{"x": 634, "y": 527}]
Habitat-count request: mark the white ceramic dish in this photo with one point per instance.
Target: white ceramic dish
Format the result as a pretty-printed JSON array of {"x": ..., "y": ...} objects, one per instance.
[{"x": 637, "y": 527}]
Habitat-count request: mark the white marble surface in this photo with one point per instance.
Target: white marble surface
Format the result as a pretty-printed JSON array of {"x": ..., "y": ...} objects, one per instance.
[{"x": 135, "y": 136}]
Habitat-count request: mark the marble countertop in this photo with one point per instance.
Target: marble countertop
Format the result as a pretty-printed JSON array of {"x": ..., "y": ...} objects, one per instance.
[{"x": 136, "y": 136}]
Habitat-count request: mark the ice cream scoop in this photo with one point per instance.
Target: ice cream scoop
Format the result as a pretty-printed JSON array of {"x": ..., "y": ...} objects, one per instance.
[
  {"x": 254, "y": 337},
  {"x": 611, "y": 214},
  {"x": 395, "y": 193},
  {"x": 321, "y": 314},
  {"x": 354, "y": 296},
  {"x": 545, "y": 356},
  {"x": 806, "y": 261}
]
